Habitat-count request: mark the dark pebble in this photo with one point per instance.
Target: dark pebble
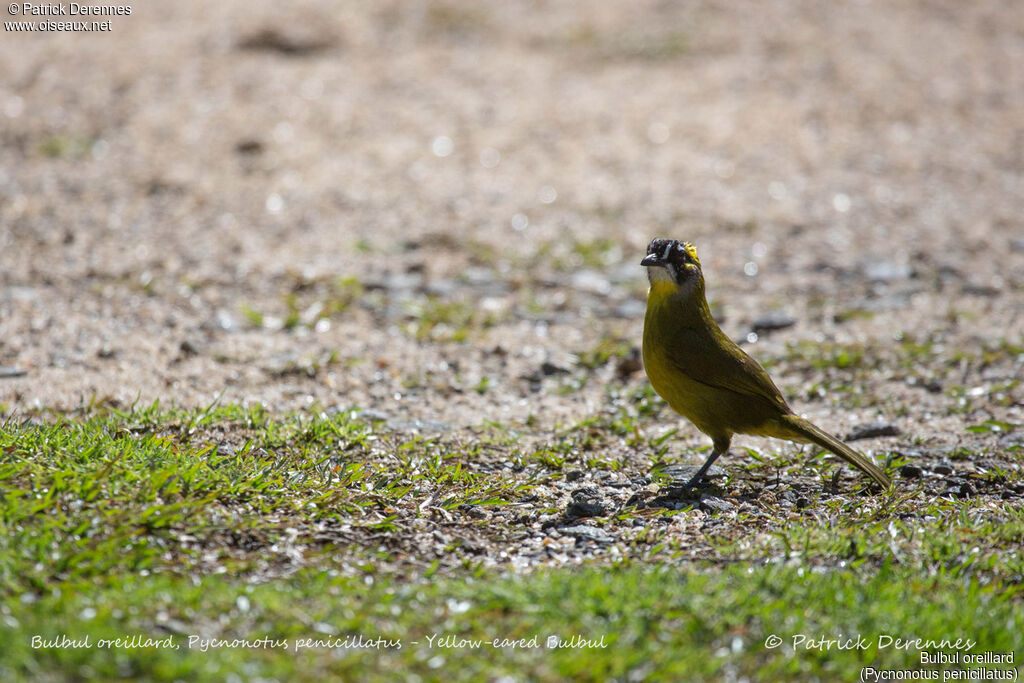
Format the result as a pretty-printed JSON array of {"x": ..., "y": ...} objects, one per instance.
[
  {"x": 911, "y": 472},
  {"x": 474, "y": 511},
  {"x": 548, "y": 368},
  {"x": 637, "y": 500},
  {"x": 249, "y": 146},
  {"x": 872, "y": 430},
  {"x": 964, "y": 490},
  {"x": 584, "y": 492},
  {"x": 190, "y": 347},
  {"x": 573, "y": 475},
  {"x": 585, "y": 508},
  {"x": 943, "y": 470},
  {"x": 629, "y": 364},
  {"x": 772, "y": 321},
  {"x": 271, "y": 39},
  {"x": 976, "y": 289},
  {"x": 787, "y": 495}
]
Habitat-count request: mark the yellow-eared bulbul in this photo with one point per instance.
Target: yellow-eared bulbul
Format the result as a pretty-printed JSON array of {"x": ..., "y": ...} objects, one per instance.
[{"x": 707, "y": 378}]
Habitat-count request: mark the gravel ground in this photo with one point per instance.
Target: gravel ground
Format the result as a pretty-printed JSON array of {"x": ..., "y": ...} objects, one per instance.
[{"x": 435, "y": 211}]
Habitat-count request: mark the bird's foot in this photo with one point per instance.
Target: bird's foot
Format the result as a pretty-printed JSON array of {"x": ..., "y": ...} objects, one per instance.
[
  {"x": 692, "y": 484},
  {"x": 694, "y": 477}
]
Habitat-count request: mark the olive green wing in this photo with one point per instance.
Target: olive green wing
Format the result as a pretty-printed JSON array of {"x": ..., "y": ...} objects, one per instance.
[{"x": 711, "y": 358}]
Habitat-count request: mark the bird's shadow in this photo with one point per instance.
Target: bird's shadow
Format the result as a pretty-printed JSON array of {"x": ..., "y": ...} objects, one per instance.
[{"x": 718, "y": 492}]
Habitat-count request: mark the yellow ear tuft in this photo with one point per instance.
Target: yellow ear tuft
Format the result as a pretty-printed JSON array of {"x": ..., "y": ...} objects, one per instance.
[{"x": 692, "y": 251}]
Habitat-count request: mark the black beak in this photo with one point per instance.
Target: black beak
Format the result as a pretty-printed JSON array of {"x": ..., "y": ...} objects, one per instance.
[{"x": 652, "y": 260}]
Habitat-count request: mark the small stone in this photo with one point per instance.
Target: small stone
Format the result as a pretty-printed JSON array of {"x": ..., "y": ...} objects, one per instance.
[
  {"x": 474, "y": 511},
  {"x": 249, "y": 146},
  {"x": 886, "y": 271},
  {"x": 587, "y": 533},
  {"x": 189, "y": 347},
  {"x": 911, "y": 472},
  {"x": 886, "y": 302},
  {"x": 980, "y": 289},
  {"x": 222, "y": 321},
  {"x": 18, "y": 293},
  {"x": 547, "y": 368},
  {"x": 872, "y": 430},
  {"x": 637, "y": 499},
  {"x": 775, "y": 320},
  {"x": 630, "y": 308},
  {"x": 295, "y": 43},
  {"x": 591, "y": 281},
  {"x": 943, "y": 470},
  {"x": 7, "y": 372},
  {"x": 440, "y": 288},
  {"x": 629, "y": 364},
  {"x": 713, "y": 504},
  {"x": 964, "y": 490},
  {"x": 1006, "y": 440},
  {"x": 418, "y": 426},
  {"x": 585, "y": 508},
  {"x": 286, "y": 364},
  {"x": 573, "y": 475}
]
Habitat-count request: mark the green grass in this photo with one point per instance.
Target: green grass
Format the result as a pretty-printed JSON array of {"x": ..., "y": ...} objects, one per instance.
[
  {"x": 656, "y": 621},
  {"x": 57, "y": 146},
  {"x": 233, "y": 523},
  {"x": 148, "y": 490}
]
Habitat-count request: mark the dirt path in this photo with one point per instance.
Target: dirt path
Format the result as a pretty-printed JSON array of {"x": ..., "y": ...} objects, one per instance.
[{"x": 435, "y": 210}]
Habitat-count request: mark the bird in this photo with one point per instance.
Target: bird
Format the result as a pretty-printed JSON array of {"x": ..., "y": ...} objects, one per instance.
[{"x": 705, "y": 377}]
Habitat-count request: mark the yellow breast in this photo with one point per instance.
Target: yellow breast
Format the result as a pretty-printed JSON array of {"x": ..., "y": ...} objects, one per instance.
[{"x": 686, "y": 396}]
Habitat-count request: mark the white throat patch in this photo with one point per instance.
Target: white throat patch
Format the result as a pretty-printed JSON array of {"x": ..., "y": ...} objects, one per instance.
[{"x": 660, "y": 274}]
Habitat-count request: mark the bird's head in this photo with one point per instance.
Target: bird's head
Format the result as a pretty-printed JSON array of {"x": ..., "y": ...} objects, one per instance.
[{"x": 672, "y": 263}]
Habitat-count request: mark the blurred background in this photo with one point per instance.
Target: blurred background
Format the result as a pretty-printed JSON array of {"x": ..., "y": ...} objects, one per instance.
[{"x": 435, "y": 210}]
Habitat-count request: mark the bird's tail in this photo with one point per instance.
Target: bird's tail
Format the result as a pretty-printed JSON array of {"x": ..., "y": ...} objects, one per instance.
[{"x": 820, "y": 437}]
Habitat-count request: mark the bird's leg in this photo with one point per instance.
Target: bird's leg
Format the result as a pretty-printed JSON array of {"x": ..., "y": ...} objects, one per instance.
[{"x": 703, "y": 469}]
